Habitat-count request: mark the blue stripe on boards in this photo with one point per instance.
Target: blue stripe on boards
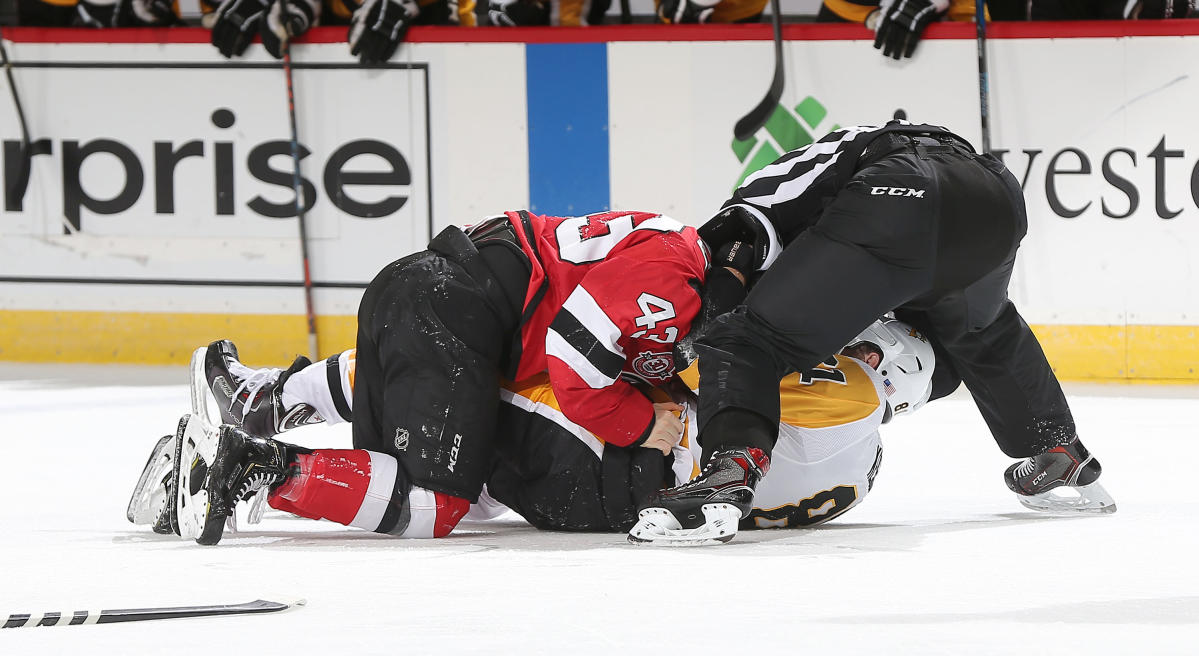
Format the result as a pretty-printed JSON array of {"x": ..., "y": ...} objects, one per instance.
[{"x": 568, "y": 127}]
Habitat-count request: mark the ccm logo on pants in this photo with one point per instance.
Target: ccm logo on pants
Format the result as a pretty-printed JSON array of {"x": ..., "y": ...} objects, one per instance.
[{"x": 897, "y": 191}]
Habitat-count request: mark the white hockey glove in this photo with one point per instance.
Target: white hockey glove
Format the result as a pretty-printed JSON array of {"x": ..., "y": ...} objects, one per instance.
[
  {"x": 686, "y": 11},
  {"x": 126, "y": 13},
  {"x": 511, "y": 13},
  {"x": 901, "y": 23},
  {"x": 285, "y": 20},
  {"x": 668, "y": 428},
  {"x": 378, "y": 27}
]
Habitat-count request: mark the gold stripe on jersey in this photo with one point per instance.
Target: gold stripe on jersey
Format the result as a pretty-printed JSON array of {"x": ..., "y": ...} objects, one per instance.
[
  {"x": 850, "y": 10},
  {"x": 690, "y": 376},
  {"x": 536, "y": 389},
  {"x": 835, "y": 393}
]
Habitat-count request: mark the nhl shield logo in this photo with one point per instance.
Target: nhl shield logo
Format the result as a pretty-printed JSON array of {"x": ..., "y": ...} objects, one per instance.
[
  {"x": 401, "y": 440},
  {"x": 657, "y": 366}
]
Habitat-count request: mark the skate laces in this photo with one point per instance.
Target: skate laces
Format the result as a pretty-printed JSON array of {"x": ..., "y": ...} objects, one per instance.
[
  {"x": 256, "y": 481},
  {"x": 253, "y": 380}
]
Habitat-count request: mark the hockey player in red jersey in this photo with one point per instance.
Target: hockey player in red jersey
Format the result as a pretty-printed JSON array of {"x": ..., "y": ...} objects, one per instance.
[{"x": 590, "y": 301}]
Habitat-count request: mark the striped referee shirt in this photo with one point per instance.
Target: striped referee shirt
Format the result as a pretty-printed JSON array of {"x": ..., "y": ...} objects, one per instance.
[{"x": 792, "y": 192}]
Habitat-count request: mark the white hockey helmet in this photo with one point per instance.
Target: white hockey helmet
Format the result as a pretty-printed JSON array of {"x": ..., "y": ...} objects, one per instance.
[{"x": 907, "y": 362}]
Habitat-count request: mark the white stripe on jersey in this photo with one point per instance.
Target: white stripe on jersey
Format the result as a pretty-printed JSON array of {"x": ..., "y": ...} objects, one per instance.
[
  {"x": 556, "y": 347},
  {"x": 583, "y": 307},
  {"x": 556, "y": 416},
  {"x": 661, "y": 223},
  {"x": 792, "y": 188}
]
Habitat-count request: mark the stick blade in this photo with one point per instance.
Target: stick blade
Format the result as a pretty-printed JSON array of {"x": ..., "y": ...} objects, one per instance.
[{"x": 749, "y": 124}]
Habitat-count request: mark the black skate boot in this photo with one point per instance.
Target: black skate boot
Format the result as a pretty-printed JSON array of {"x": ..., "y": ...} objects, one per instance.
[
  {"x": 243, "y": 465},
  {"x": 252, "y": 398},
  {"x": 1062, "y": 479},
  {"x": 706, "y": 509}
]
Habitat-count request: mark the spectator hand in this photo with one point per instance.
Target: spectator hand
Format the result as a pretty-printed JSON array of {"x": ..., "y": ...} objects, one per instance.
[
  {"x": 378, "y": 27},
  {"x": 668, "y": 428},
  {"x": 510, "y": 13},
  {"x": 902, "y": 22},
  {"x": 235, "y": 23},
  {"x": 286, "y": 20},
  {"x": 686, "y": 11},
  {"x": 126, "y": 13}
]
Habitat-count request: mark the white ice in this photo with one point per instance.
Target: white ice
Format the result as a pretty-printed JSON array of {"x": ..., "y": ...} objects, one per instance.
[{"x": 939, "y": 559}]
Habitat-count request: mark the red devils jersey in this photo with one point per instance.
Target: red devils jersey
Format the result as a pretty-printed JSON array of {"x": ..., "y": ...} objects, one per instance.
[{"x": 609, "y": 295}]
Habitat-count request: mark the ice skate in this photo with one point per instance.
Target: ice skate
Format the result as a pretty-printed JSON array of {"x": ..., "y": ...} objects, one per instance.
[
  {"x": 150, "y": 494},
  {"x": 240, "y": 467},
  {"x": 706, "y": 509},
  {"x": 253, "y": 398},
  {"x": 1062, "y": 479}
]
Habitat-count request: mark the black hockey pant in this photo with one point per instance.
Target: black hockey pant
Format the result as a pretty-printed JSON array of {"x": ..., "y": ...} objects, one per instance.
[
  {"x": 931, "y": 232},
  {"x": 432, "y": 333}
]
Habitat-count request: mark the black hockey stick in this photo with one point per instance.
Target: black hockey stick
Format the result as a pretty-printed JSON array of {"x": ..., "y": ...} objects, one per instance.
[
  {"x": 17, "y": 186},
  {"x": 757, "y": 117},
  {"x": 80, "y": 617},
  {"x": 980, "y": 20},
  {"x": 296, "y": 182}
]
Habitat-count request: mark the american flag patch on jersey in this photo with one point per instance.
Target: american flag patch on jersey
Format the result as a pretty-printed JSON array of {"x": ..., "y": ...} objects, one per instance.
[{"x": 888, "y": 387}]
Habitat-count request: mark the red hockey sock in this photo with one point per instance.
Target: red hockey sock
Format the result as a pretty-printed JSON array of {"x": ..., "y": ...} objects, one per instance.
[
  {"x": 356, "y": 488},
  {"x": 340, "y": 485}
]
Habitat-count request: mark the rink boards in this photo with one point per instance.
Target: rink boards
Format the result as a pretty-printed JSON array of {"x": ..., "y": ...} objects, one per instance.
[{"x": 159, "y": 211}]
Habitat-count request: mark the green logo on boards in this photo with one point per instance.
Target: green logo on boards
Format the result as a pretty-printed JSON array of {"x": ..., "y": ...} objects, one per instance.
[{"x": 785, "y": 130}]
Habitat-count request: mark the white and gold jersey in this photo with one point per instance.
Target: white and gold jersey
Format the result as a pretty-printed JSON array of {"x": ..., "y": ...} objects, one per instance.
[{"x": 828, "y": 449}]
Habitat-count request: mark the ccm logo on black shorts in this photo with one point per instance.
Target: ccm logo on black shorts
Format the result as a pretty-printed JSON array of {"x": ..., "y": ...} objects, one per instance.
[{"x": 897, "y": 191}]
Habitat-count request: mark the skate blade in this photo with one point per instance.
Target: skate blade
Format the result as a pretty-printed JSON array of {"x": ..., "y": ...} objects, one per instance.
[
  {"x": 659, "y": 527},
  {"x": 1089, "y": 499},
  {"x": 150, "y": 494},
  {"x": 195, "y": 450}
]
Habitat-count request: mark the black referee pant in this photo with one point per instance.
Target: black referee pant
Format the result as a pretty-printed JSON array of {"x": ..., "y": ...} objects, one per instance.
[{"x": 929, "y": 231}]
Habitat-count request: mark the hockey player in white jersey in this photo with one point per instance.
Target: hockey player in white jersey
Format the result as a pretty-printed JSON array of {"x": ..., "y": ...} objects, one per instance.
[{"x": 828, "y": 451}]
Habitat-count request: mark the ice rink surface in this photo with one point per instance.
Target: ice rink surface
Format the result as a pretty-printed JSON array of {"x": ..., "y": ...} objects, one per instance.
[{"x": 939, "y": 559}]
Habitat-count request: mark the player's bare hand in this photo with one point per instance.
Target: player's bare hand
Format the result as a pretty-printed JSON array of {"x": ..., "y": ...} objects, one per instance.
[{"x": 668, "y": 428}]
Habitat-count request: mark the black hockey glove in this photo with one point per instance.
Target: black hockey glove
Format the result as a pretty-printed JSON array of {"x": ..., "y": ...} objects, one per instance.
[
  {"x": 378, "y": 27},
  {"x": 902, "y": 22},
  {"x": 739, "y": 239},
  {"x": 686, "y": 11},
  {"x": 510, "y": 13},
  {"x": 285, "y": 20},
  {"x": 235, "y": 23},
  {"x": 126, "y": 13},
  {"x": 737, "y": 255}
]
